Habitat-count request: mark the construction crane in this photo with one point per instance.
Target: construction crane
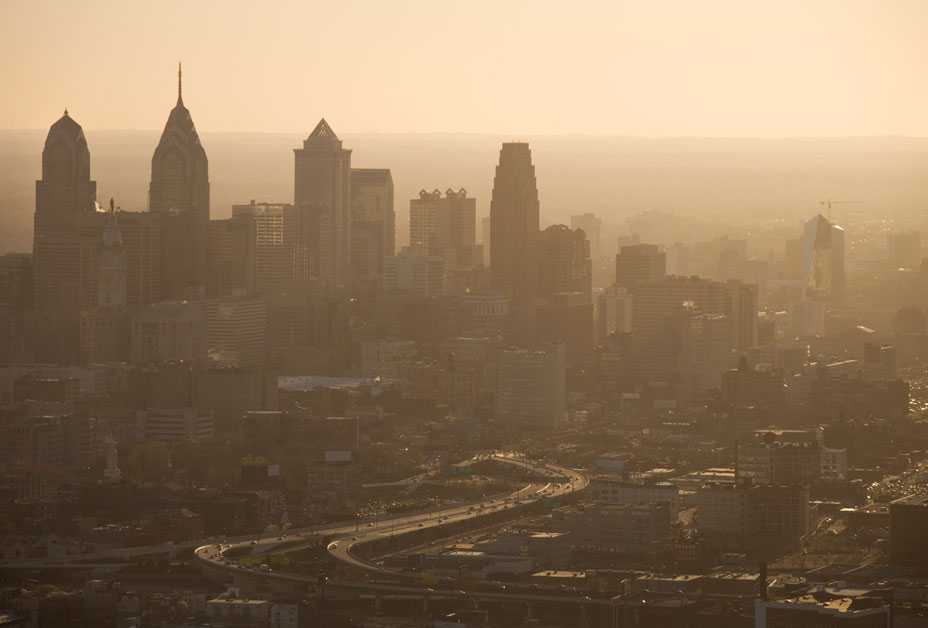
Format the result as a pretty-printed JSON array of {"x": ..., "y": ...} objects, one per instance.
[{"x": 828, "y": 204}]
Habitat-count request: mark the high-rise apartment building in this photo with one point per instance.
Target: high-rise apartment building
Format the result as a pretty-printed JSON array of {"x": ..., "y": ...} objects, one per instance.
[
  {"x": 445, "y": 225},
  {"x": 639, "y": 263},
  {"x": 531, "y": 387},
  {"x": 322, "y": 192},
  {"x": 65, "y": 240},
  {"x": 179, "y": 191},
  {"x": 373, "y": 222},
  {"x": 514, "y": 216}
]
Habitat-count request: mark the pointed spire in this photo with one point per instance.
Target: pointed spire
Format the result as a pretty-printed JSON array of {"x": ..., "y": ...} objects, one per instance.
[
  {"x": 323, "y": 132},
  {"x": 66, "y": 111},
  {"x": 180, "y": 87}
]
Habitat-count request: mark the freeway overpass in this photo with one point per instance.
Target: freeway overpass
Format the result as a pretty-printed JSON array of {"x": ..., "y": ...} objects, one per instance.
[{"x": 355, "y": 546}]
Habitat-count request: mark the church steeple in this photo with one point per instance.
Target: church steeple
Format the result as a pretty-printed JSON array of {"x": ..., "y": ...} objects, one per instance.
[{"x": 180, "y": 85}]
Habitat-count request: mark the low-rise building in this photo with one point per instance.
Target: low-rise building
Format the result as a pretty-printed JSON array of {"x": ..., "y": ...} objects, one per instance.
[{"x": 236, "y": 611}]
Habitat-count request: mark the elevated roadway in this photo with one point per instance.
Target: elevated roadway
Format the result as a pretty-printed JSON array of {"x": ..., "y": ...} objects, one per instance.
[{"x": 349, "y": 544}]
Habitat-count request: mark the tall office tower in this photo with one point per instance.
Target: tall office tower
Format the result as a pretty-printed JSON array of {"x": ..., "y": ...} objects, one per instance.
[
  {"x": 514, "y": 216},
  {"x": 486, "y": 228},
  {"x": 169, "y": 331},
  {"x": 273, "y": 243},
  {"x": 823, "y": 259},
  {"x": 639, "y": 263},
  {"x": 322, "y": 191},
  {"x": 613, "y": 313},
  {"x": 531, "y": 387},
  {"x": 105, "y": 327},
  {"x": 655, "y": 303},
  {"x": 179, "y": 191},
  {"x": 742, "y": 313},
  {"x": 445, "y": 226},
  {"x": 16, "y": 295},
  {"x": 373, "y": 222},
  {"x": 904, "y": 249},
  {"x": 141, "y": 238},
  {"x": 415, "y": 273},
  {"x": 231, "y": 257},
  {"x": 592, "y": 226},
  {"x": 112, "y": 265},
  {"x": 564, "y": 263},
  {"x": 567, "y": 317},
  {"x": 63, "y": 242},
  {"x": 663, "y": 315},
  {"x": 236, "y": 329},
  {"x": 705, "y": 352}
]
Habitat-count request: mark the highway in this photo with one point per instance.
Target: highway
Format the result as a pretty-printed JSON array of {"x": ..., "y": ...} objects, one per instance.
[{"x": 348, "y": 538}]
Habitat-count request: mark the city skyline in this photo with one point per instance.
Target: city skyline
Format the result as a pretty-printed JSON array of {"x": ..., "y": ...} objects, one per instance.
[{"x": 447, "y": 380}]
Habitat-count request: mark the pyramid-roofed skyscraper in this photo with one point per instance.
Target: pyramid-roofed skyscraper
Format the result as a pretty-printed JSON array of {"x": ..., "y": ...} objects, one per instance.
[{"x": 179, "y": 191}]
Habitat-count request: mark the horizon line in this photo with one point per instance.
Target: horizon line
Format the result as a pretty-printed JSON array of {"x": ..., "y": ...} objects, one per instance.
[{"x": 513, "y": 134}]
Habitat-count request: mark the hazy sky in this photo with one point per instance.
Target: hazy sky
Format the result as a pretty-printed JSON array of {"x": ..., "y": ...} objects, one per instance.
[{"x": 642, "y": 67}]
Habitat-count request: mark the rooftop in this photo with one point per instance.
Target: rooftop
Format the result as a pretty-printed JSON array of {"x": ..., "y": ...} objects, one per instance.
[{"x": 556, "y": 573}]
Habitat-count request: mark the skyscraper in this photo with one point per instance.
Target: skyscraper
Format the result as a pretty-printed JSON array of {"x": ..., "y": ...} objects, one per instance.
[
  {"x": 63, "y": 243},
  {"x": 564, "y": 263},
  {"x": 514, "y": 221},
  {"x": 231, "y": 256},
  {"x": 274, "y": 253},
  {"x": 16, "y": 296},
  {"x": 322, "y": 190},
  {"x": 373, "y": 221},
  {"x": 141, "y": 238},
  {"x": 639, "y": 263},
  {"x": 179, "y": 191},
  {"x": 105, "y": 324},
  {"x": 531, "y": 387},
  {"x": 445, "y": 226},
  {"x": 414, "y": 272},
  {"x": 112, "y": 266},
  {"x": 486, "y": 228},
  {"x": 592, "y": 226},
  {"x": 823, "y": 259}
]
